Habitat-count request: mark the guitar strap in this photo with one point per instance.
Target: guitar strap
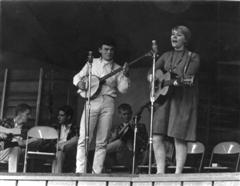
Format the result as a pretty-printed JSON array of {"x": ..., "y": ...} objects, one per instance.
[{"x": 187, "y": 63}]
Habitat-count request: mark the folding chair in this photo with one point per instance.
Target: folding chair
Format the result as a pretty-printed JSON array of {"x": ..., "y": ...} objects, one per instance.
[
  {"x": 41, "y": 133},
  {"x": 3, "y": 164},
  {"x": 195, "y": 156},
  {"x": 225, "y": 157}
]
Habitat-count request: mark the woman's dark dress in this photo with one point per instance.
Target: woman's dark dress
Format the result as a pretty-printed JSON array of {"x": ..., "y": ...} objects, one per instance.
[{"x": 177, "y": 115}]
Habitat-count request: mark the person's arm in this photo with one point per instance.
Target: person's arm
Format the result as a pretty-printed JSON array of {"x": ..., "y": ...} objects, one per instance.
[
  {"x": 194, "y": 64},
  {"x": 69, "y": 144},
  {"x": 114, "y": 134},
  {"x": 123, "y": 80},
  {"x": 78, "y": 77},
  {"x": 158, "y": 65},
  {"x": 123, "y": 83},
  {"x": 160, "y": 61},
  {"x": 14, "y": 131},
  {"x": 189, "y": 71},
  {"x": 23, "y": 143}
]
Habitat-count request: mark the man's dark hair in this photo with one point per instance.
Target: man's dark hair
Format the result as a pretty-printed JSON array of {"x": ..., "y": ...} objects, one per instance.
[
  {"x": 67, "y": 109},
  {"x": 125, "y": 106},
  {"x": 22, "y": 108},
  {"x": 107, "y": 41}
]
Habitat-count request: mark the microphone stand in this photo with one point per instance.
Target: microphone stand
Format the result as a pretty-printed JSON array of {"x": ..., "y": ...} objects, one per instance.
[
  {"x": 87, "y": 119},
  {"x": 135, "y": 118},
  {"x": 152, "y": 100}
]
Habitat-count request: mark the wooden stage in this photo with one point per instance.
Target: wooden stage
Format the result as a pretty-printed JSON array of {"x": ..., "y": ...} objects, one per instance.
[{"x": 44, "y": 179}]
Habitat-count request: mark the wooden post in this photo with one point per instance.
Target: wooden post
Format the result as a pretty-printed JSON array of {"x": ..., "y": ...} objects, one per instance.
[
  {"x": 1, "y": 28},
  {"x": 39, "y": 96},
  {"x": 4, "y": 92}
]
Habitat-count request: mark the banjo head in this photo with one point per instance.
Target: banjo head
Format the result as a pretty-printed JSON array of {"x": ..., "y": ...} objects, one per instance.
[{"x": 95, "y": 83}]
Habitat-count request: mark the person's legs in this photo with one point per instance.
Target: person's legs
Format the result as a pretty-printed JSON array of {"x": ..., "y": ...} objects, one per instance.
[
  {"x": 112, "y": 149},
  {"x": 103, "y": 130},
  {"x": 13, "y": 158},
  {"x": 181, "y": 154},
  {"x": 58, "y": 162},
  {"x": 70, "y": 150},
  {"x": 159, "y": 152},
  {"x": 114, "y": 146},
  {"x": 81, "y": 151}
]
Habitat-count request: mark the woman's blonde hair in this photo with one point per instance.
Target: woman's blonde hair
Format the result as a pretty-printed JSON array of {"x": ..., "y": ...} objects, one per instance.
[{"x": 185, "y": 31}]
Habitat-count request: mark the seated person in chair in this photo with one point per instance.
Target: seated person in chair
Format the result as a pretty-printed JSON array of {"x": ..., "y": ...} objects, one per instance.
[
  {"x": 122, "y": 138},
  {"x": 12, "y": 133},
  {"x": 68, "y": 137}
]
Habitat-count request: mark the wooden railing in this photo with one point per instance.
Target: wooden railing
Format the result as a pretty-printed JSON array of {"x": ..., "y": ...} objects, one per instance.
[{"x": 214, "y": 179}]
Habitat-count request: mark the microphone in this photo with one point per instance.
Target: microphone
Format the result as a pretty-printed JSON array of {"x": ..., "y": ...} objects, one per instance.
[
  {"x": 154, "y": 47},
  {"x": 90, "y": 57}
]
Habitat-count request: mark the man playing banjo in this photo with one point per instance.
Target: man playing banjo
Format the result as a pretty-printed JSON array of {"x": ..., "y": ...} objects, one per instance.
[{"x": 102, "y": 105}]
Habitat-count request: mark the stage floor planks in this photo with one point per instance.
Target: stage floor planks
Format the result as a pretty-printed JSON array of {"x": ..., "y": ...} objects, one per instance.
[{"x": 46, "y": 179}]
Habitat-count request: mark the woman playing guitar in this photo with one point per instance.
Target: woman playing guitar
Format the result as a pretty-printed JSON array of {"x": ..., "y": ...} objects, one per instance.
[{"x": 176, "y": 116}]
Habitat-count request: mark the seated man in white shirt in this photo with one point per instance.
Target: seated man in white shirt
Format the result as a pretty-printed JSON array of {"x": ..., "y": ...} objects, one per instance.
[
  {"x": 67, "y": 137},
  {"x": 11, "y": 136}
]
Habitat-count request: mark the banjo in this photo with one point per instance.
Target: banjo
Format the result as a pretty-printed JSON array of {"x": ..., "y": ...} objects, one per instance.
[{"x": 97, "y": 82}]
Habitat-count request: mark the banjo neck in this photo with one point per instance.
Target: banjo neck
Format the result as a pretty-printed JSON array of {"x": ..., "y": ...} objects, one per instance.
[{"x": 102, "y": 79}]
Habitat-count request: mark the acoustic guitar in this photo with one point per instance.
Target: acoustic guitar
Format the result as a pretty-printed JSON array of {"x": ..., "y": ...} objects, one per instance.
[{"x": 163, "y": 81}]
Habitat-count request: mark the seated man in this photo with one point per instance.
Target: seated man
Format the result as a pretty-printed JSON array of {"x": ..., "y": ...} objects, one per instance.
[
  {"x": 11, "y": 136},
  {"x": 123, "y": 135},
  {"x": 68, "y": 137}
]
